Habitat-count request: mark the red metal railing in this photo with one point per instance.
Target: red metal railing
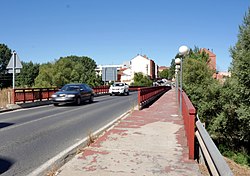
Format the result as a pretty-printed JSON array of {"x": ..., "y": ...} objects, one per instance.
[
  {"x": 32, "y": 94},
  {"x": 148, "y": 94},
  {"x": 40, "y": 94},
  {"x": 188, "y": 114},
  {"x": 135, "y": 88},
  {"x": 101, "y": 89}
]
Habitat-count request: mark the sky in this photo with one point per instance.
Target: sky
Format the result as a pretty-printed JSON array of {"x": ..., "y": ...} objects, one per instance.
[{"x": 115, "y": 31}]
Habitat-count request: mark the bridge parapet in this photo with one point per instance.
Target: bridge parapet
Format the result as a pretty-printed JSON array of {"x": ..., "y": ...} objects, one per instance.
[
  {"x": 207, "y": 151},
  {"x": 148, "y": 94},
  {"x": 188, "y": 114}
]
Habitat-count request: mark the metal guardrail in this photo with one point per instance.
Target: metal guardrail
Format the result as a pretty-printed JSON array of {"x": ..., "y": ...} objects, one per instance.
[{"x": 208, "y": 151}]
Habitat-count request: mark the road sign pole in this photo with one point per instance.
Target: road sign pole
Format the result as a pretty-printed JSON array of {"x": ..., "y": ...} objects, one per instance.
[{"x": 14, "y": 69}]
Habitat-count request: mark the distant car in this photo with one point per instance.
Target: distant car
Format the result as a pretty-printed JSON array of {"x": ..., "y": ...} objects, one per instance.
[
  {"x": 119, "y": 88},
  {"x": 73, "y": 93}
]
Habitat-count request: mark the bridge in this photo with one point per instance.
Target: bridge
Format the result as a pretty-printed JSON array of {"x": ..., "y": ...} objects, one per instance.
[{"x": 121, "y": 140}]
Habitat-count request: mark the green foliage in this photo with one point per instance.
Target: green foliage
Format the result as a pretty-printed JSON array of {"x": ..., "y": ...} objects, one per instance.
[
  {"x": 142, "y": 80},
  {"x": 232, "y": 126},
  {"x": 197, "y": 55},
  {"x": 164, "y": 74},
  {"x": 26, "y": 78},
  {"x": 5, "y": 55},
  {"x": 45, "y": 76},
  {"x": 239, "y": 157},
  {"x": 201, "y": 88},
  {"x": 70, "y": 69},
  {"x": 172, "y": 69}
]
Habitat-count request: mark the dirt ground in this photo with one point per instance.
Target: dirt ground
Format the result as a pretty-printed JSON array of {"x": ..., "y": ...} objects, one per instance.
[{"x": 237, "y": 169}]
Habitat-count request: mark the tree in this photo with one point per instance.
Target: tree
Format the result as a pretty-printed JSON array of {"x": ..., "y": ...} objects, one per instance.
[
  {"x": 70, "y": 69},
  {"x": 142, "y": 80},
  {"x": 201, "y": 88},
  {"x": 28, "y": 74},
  {"x": 172, "y": 69},
  {"x": 5, "y": 55},
  {"x": 45, "y": 76},
  {"x": 198, "y": 55},
  {"x": 164, "y": 74},
  {"x": 232, "y": 127}
]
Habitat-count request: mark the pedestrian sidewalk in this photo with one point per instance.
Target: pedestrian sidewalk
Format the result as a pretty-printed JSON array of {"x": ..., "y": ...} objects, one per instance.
[{"x": 147, "y": 142}]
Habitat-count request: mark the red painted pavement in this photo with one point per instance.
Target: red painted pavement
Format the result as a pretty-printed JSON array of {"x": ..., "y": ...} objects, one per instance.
[{"x": 147, "y": 142}]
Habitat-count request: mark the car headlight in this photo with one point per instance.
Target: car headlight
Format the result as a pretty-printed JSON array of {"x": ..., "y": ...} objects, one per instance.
[
  {"x": 53, "y": 96},
  {"x": 70, "y": 96}
]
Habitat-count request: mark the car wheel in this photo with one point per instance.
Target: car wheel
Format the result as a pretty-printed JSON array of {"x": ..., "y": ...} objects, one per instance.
[
  {"x": 91, "y": 98},
  {"x": 56, "y": 104},
  {"x": 78, "y": 101},
  {"x": 110, "y": 94}
]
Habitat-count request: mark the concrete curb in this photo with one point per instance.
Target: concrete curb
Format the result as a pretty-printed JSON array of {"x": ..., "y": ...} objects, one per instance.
[
  {"x": 12, "y": 107},
  {"x": 63, "y": 157}
]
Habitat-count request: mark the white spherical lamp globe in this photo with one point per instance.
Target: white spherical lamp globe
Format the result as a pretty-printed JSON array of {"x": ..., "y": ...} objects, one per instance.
[
  {"x": 177, "y": 61},
  {"x": 183, "y": 50}
]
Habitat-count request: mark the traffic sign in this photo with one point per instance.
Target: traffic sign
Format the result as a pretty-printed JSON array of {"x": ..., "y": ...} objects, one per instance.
[
  {"x": 17, "y": 63},
  {"x": 14, "y": 66},
  {"x": 109, "y": 74}
]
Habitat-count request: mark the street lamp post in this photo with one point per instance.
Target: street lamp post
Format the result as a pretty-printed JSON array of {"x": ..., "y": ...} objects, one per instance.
[
  {"x": 176, "y": 83},
  {"x": 177, "y": 68},
  {"x": 183, "y": 51}
]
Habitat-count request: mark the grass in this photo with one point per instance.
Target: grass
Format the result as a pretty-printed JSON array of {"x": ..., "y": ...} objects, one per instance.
[
  {"x": 91, "y": 138},
  {"x": 238, "y": 157},
  {"x": 54, "y": 171}
]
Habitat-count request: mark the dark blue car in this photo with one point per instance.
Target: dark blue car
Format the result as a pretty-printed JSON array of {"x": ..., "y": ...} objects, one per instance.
[{"x": 73, "y": 93}]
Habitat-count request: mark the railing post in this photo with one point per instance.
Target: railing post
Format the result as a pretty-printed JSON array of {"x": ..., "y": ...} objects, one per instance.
[
  {"x": 40, "y": 94},
  {"x": 47, "y": 93},
  {"x": 139, "y": 98},
  {"x": 13, "y": 98},
  {"x": 33, "y": 95},
  {"x": 191, "y": 132},
  {"x": 24, "y": 97}
]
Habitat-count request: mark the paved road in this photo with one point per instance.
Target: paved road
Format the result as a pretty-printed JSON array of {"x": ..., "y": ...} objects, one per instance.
[{"x": 30, "y": 137}]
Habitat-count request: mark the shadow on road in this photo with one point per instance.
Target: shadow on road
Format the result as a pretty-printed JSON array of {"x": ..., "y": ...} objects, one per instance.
[
  {"x": 3, "y": 125},
  {"x": 5, "y": 164}
]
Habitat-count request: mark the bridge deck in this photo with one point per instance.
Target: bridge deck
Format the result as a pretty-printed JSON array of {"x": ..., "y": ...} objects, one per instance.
[{"x": 147, "y": 142}]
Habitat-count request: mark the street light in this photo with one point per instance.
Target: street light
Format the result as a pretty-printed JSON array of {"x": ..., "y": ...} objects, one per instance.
[
  {"x": 183, "y": 51},
  {"x": 177, "y": 68}
]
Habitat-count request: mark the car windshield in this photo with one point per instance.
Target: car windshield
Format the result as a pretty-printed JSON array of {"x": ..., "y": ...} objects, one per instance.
[
  {"x": 118, "y": 84},
  {"x": 70, "y": 88}
]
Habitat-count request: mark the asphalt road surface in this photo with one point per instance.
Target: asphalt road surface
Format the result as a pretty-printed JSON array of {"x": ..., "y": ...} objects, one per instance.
[{"x": 30, "y": 137}]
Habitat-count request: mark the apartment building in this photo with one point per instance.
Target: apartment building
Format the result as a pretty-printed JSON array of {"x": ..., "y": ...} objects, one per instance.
[
  {"x": 126, "y": 71},
  {"x": 140, "y": 63}
]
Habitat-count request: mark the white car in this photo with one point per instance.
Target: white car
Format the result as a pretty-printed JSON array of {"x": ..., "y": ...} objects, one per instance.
[{"x": 119, "y": 88}]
